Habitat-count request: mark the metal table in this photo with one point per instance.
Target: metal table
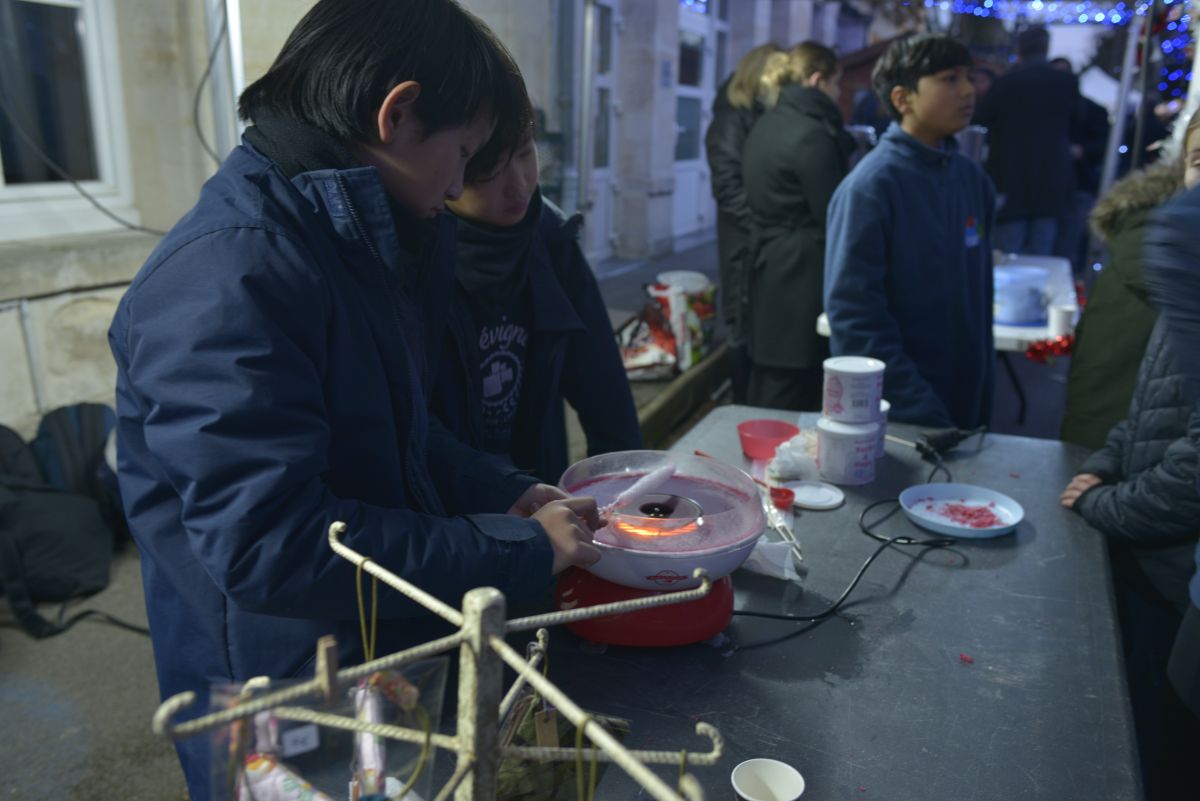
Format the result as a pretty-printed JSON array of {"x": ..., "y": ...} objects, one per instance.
[{"x": 990, "y": 671}]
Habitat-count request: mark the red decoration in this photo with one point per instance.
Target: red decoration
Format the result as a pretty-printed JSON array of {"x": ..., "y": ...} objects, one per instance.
[
  {"x": 1048, "y": 350},
  {"x": 966, "y": 659}
]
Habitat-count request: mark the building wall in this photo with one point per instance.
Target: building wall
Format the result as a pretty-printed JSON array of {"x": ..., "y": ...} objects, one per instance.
[{"x": 58, "y": 294}]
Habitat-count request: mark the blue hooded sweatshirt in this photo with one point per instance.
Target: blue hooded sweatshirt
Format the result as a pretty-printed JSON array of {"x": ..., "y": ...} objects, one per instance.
[{"x": 908, "y": 278}]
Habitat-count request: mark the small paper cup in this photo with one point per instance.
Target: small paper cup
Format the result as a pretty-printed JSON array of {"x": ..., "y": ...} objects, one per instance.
[{"x": 766, "y": 780}]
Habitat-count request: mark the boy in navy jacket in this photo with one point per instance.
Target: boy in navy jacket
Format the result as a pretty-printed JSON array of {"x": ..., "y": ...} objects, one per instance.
[
  {"x": 908, "y": 261},
  {"x": 275, "y": 357}
]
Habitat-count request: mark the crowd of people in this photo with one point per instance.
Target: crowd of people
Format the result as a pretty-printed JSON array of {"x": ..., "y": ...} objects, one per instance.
[
  {"x": 897, "y": 251},
  {"x": 373, "y": 315}
]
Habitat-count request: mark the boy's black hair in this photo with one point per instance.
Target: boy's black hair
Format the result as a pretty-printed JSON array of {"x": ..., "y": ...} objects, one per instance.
[
  {"x": 909, "y": 60},
  {"x": 501, "y": 147},
  {"x": 344, "y": 56}
]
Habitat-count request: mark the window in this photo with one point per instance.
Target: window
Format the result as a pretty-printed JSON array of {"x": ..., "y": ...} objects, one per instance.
[
  {"x": 604, "y": 39},
  {"x": 687, "y": 128},
  {"x": 602, "y": 125},
  {"x": 60, "y": 101},
  {"x": 719, "y": 75},
  {"x": 691, "y": 58}
]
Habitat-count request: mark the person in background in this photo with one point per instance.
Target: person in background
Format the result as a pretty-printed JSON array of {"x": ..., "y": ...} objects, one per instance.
[
  {"x": 908, "y": 265},
  {"x": 273, "y": 359},
  {"x": 736, "y": 108},
  {"x": 1140, "y": 491},
  {"x": 1030, "y": 113},
  {"x": 869, "y": 111},
  {"x": 1172, "y": 254},
  {"x": 1089, "y": 141},
  {"x": 794, "y": 159},
  {"x": 1116, "y": 323},
  {"x": 1115, "y": 326},
  {"x": 982, "y": 79},
  {"x": 528, "y": 328}
]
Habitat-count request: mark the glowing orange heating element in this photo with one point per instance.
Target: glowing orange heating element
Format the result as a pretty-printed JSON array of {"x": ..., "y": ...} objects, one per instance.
[{"x": 656, "y": 530}]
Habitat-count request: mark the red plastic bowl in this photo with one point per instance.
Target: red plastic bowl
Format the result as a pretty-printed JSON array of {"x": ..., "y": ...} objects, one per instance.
[{"x": 760, "y": 438}]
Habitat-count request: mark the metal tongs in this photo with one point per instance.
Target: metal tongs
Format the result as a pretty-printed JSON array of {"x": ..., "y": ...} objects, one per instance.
[
  {"x": 775, "y": 518},
  {"x": 777, "y": 521}
]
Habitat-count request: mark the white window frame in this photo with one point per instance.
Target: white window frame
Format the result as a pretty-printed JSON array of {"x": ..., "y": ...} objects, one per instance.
[{"x": 29, "y": 211}]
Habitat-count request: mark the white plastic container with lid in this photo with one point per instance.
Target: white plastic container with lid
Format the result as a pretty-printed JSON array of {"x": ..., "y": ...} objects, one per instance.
[
  {"x": 853, "y": 388},
  {"x": 884, "y": 408},
  {"x": 846, "y": 451}
]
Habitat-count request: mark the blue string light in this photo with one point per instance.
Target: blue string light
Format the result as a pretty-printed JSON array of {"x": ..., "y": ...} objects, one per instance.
[
  {"x": 1087, "y": 12},
  {"x": 1175, "y": 42}
]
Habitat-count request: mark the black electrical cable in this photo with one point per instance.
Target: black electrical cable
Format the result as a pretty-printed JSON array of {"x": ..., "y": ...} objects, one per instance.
[
  {"x": 938, "y": 465},
  {"x": 885, "y": 543},
  {"x": 65, "y": 623},
  {"x": 212, "y": 58}
]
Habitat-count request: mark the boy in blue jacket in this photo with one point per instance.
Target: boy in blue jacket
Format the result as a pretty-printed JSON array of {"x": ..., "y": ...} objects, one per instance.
[
  {"x": 908, "y": 260},
  {"x": 275, "y": 357}
]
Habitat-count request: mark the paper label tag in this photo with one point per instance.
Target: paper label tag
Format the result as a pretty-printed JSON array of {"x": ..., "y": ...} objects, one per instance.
[
  {"x": 545, "y": 724},
  {"x": 300, "y": 740}
]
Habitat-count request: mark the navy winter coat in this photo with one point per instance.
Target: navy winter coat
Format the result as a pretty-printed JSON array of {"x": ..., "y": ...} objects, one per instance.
[
  {"x": 572, "y": 355},
  {"x": 272, "y": 366},
  {"x": 1150, "y": 465},
  {"x": 1172, "y": 259}
]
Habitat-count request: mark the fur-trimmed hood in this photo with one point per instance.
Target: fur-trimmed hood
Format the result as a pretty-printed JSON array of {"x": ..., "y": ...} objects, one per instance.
[{"x": 1140, "y": 191}]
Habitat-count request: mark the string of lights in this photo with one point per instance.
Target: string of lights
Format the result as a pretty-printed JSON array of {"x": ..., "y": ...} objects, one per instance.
[
  {"x": 1171, "y": 26},
  {"x": 1049, "y": 12}
]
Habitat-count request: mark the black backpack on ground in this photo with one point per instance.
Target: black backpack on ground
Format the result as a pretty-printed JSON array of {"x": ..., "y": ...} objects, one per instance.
[{"x": 57, "y": 517}]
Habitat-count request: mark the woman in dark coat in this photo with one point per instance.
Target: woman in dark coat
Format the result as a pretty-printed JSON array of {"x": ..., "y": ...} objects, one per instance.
[
  {"x": 735, "y": 110},
  {"x": 793, "y": 160}
]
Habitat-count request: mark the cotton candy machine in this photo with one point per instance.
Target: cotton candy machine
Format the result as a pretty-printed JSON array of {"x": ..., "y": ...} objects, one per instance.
[{"x": 700, "y": 513}]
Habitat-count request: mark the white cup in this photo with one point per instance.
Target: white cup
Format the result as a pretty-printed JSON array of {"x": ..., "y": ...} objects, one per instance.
[
  {"x": 853, "y": 388},
  {"x": 846, "y": 451},
  {"x": 1061, "y": 320},
  {"x": 884, "y": 408},
  {"x": 766, "y": 780}
]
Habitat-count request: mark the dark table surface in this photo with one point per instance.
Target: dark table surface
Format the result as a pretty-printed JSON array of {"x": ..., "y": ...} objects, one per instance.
[{"x": 987, "y": 671}]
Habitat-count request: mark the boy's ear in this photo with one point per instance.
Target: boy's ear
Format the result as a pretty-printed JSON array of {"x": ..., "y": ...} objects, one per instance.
[
  {"x": 397, "y": 109},
  {"x": 899, "y": 98}
]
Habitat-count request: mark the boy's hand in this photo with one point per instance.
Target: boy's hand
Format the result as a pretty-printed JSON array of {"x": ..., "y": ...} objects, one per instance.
[
  {"x": 535, "y": 498},
  {"x": 1079, "y": 485},
  {"x": 570, "y": 524}
]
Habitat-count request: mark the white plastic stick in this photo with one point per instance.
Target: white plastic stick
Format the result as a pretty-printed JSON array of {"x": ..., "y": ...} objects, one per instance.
[{"x": 645, "y": 485}]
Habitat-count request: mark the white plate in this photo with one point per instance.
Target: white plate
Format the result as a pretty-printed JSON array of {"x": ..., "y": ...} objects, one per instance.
[
  {"x": 816, "y": 495},
  {"x": 925, "y": 505}
]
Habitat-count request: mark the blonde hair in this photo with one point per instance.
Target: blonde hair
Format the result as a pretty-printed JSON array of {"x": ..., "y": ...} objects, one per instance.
[
  {"x": 795, "y": 66},
  {"x": 743, "y": 86}
]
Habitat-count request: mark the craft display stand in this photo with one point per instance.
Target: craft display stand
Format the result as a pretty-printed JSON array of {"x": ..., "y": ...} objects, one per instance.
[{"x": 483, "y": 653}]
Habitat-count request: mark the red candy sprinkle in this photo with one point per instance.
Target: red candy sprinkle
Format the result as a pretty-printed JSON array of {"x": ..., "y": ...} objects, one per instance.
[
  {"x": 966, "y": 659},
  {"x": 970, "y": 516}
]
